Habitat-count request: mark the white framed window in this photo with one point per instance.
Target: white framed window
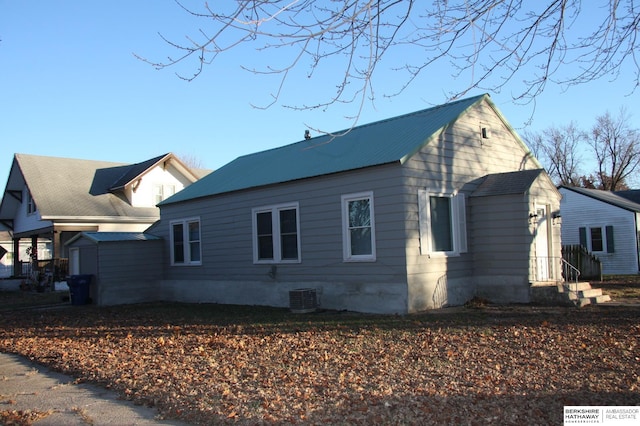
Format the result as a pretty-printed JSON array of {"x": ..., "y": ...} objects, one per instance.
[
  {"x": 597, "y": 239},
  {"x": 162, "y": 192},
  {"x": 186, "y": 247},
  {"x": 276, "y": 235},
  {"x": 442, "y": 217},
  {"x": 358, "y": 228},
  {"x": 31, "y": 204}
]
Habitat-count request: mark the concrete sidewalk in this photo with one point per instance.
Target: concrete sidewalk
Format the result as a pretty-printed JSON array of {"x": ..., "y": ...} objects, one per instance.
[{"x": 28, "y": 386}]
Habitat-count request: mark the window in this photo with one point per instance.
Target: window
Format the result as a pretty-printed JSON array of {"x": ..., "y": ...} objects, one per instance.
[
  {"x": 442, "y": 219},
  {"x": 597, "y": 238},
  {"x": 31, "y": 204},
  {"x": 185, "y": 242},
  {"x": 358, "y": 227},
  {"x": 162, "y": 192},
  {"x": 275, "y": 234}
]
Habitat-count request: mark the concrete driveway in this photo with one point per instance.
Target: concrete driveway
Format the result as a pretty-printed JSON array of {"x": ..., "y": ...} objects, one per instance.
[{"x": 26, "y": 386}]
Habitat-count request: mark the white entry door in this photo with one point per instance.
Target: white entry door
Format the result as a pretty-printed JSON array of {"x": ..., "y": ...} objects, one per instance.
[
  {"x": 543, "y": 262},
  {"x": 74, "y": 261}
]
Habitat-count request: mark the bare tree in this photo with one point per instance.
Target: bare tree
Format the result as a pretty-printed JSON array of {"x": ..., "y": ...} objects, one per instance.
[
  {"x": 617, "y": 151},
  {"x": 487, "y": 43},
  {"x": 191, "y": 160},
  {"x": 559, "y": 148}
]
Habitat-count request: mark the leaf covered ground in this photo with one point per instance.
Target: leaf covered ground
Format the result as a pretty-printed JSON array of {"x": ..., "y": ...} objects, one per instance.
[{"x": 214, "y": 364}]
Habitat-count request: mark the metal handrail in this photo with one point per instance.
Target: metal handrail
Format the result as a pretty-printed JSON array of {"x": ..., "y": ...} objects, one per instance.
[{"x": 570, "y": 274}]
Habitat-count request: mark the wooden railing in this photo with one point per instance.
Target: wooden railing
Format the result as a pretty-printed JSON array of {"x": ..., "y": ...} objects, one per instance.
[
  {"x": 57, "y": 269},
  {"x": 588, "y": 264}
]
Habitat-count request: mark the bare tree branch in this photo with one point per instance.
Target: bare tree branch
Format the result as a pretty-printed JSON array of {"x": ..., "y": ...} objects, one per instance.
[
  {"x": 617, "y": 150},
  {"x": 559, "y": 149},
  {"x": 488, "y": 43}
]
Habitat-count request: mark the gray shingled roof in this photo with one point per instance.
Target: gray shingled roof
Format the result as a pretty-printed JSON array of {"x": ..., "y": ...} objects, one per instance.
[
  {"x": 383, "y": 142},
  {"x": 509, "y": 183},
  {"x": 606, "y": 197},
  {"x": 630, "y": 194},
  {"x": 64, "y": 187}
]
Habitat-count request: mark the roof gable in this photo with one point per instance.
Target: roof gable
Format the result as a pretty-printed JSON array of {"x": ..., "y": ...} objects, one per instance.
[
  {"x": 606, "y": 197},
  {"x": 133, "y": 172},
  {"x": 383, "y": 142}
]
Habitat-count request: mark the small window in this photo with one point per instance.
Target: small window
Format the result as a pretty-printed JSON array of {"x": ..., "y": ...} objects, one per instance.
[
  {"x": 597, "y": 244},
  {"x": 185, "y": 242},
  {"x": 597, "y": 239},
  {"x": 442, "y": 218},
  {"x": 162, "y": 192},
  {"x": 276, "y": 238},
  {"x": 358, "y": 227},
  {"x": 31, "y": 204}
]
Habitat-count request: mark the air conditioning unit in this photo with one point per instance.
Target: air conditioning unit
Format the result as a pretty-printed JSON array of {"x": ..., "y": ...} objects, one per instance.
[{"x": 303, "y": 300}]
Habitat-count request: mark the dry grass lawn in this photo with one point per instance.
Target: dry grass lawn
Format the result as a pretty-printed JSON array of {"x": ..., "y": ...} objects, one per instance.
[{"x": 216, "y": 364}]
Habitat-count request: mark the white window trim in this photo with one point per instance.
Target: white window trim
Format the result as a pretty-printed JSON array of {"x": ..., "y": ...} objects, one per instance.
[
  {"x": 346, "y": 235},
  {"x": 605, "y": 239},
  {"x": 185, "y": 238},
  {"x": 458, "y": 221},
  {"x": 275, "y": 229}
]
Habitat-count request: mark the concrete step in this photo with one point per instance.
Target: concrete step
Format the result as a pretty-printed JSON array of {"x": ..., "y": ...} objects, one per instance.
[
  {"x": 594, "y": 292},
  {"x": 583, "y": 301},
  {"x": 603, "y": 299},
  {"x": 582, "y": 294},
  {"x": 574, "y": 286}
]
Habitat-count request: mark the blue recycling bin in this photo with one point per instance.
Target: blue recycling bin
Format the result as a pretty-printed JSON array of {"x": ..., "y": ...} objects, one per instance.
[{"x": 79, "y": 286}]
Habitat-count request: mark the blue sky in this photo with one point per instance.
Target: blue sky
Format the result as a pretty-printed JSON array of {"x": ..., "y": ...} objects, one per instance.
[{"x": 70, "y": 86}]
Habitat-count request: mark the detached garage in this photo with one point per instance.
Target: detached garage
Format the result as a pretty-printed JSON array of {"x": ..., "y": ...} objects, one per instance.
[{"x": 126, "y": 266}]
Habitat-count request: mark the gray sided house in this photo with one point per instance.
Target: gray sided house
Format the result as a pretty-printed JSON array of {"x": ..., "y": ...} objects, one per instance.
[
  {"x": 606, "y": 223},
  {"x": 416, "y": 212},
  {"x": 123, "y": 265}
]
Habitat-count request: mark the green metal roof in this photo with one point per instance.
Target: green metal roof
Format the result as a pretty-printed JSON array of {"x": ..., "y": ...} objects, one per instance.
[{"x": 391, "y": 140}]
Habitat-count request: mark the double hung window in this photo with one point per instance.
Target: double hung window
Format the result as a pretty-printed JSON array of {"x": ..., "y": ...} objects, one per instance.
[
  {"x": 162, "y": 192},
  {"x": 276, "y": 236},
  {"x": 442, "y": 223},
  {"x": 185, "y": 242},
  {"x": 597, "y": 239},
  {"x": 358, "y": 227}
]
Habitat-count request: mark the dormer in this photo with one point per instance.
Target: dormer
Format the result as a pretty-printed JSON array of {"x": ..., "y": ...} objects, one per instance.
[{"x": 146, "y": 184}]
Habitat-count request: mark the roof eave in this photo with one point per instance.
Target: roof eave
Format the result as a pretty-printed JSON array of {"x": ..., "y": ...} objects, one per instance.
[
  {"x": 101, "y": 219},
  {"x": 593, "y": 197}
]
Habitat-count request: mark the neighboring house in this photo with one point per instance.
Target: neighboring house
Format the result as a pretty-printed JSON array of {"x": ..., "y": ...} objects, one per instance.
[
  {"x": 606, "y": 223},
  {"x": 416, "y": 212},
  {"x": 53, "y": 199}
]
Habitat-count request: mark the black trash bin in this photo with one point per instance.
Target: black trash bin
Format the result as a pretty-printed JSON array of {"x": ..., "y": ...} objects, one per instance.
[{"x": 79, "y": 288}]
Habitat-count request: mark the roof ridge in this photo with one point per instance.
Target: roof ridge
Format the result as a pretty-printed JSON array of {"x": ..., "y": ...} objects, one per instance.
[{"x": 343, "y": 132}]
